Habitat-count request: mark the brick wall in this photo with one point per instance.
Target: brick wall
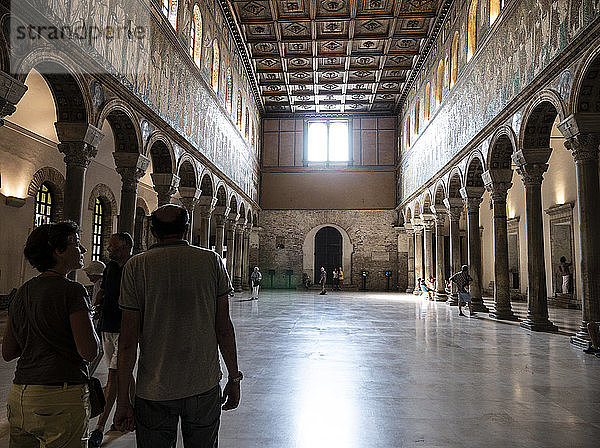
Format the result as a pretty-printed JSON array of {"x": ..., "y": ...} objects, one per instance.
[{"x": 371, "y": 233}]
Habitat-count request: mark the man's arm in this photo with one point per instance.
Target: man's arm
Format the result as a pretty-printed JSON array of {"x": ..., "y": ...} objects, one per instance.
[
  {"x": 128, "y": 342},
  {"x": 227, "y": 345}
]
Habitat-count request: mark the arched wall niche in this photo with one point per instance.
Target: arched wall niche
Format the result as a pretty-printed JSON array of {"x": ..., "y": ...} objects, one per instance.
[{"x": 308, "y": 250}]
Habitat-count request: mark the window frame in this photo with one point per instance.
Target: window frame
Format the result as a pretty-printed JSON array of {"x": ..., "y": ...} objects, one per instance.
[
  {"x": 48, "y": 204},
  {"x": 327, "y": 121},
  {"x": 98, "y": 230}
]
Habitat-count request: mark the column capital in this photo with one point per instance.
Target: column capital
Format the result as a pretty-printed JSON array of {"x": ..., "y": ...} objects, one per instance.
[
  {"x": 532, "y": 173},
  {"x": 497, "y": 182},
  {"x": 165, "y": 184},
  {"x": 131, "y": 167},
  {"x": 189, "y": 197},
  {"x": 472, "y": 197},
  {"x": 584, "y": 147},
  {"x": 11, "y": 92},
  {"x": 78, "y": 132},
  {"x": 78, "y": 153},
  {"x": 579, "y": 123},
  {"x": 454, "y": 207},
  {"x": 439, "y": 214}
]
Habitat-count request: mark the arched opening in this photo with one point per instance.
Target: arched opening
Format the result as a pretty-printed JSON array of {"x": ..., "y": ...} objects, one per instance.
[
  {"x": 328, "y": 252},
  {"x": 417, "y": 112},
  {"x": 161, "y": 158},
  {"x": 454, "y": 59},
  {"x": 495, "y": 8},
  {"x": 439, "y": 87},
  {"x": 196, "y": 36},
  {"x": 215, "y": 66},
  {"x": 247, "y": 124},
  {"x": 472, "y": 30},
  {"x": 427, "y": 102},
  {"x": 238, "y": 117},
  {"x": 99, "y": 223},
  {"x": 407, "y": 131}
]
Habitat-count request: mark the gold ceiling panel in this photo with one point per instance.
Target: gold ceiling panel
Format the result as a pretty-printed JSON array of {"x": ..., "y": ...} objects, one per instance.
[{"x": 333, "y": 55}]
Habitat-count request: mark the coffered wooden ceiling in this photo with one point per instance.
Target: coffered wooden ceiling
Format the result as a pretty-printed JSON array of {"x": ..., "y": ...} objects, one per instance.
[{"x": 312, "y": 56}]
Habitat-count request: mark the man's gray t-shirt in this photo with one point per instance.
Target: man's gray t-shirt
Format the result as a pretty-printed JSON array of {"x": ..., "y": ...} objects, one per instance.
[{"x": 175, "y": 288}]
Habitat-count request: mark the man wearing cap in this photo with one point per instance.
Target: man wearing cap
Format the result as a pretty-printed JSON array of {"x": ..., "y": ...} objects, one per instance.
[
  {"x": 175, "y": 302},
  {"x": 120, "y": 247}
]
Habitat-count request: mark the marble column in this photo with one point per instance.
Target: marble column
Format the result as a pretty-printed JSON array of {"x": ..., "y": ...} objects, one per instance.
[
  {"x": 497, "y": 182},
  {"x": 11, "y": 92},
  {"x": 220, "y": 214},
  {"x": 472, "y": 199},
  {"x": 131, "y": 166},
  {"x": 165, "y": 185},
  {"x": 440, "y": 260},
  {"x": 189, "y": 198},
  {"x": 428, "y": 228},
  {"x": 583, "y": 138},
  {"x": 205, "y": 207},
  {"x": 454, "y": 206},
  {"x": 246, "y": 256},
  {"x": 418, "y": 254},
  {"x": 230, "y": 230},
  {"x": 237, "y": 263},
  {"x": 410, "y": 287},
  {"x": 537, "y": 296},
  {"x": 79, "y": 143}
]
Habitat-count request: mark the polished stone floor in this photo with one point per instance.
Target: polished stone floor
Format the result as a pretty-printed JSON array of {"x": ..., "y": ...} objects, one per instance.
[{"x": 356, "y": 369}]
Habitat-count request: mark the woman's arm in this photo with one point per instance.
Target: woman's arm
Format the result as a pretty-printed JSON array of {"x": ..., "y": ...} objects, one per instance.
[
  {"x": 10, "y": 347},
  {"x": 86, "y": 339}
]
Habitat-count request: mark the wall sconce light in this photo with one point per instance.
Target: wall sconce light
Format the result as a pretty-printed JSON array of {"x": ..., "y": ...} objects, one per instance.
[{"x": 13, "y": 201}]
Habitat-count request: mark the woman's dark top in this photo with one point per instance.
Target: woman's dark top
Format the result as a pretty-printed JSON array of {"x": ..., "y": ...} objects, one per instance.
[{"x": 48, "y": 351}]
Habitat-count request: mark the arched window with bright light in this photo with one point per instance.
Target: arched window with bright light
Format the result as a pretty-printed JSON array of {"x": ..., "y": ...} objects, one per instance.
[
  {"x": 495, "y": 8},
  {"x": 247, "y": 123},
  {"x": 454, "y": 59},
  {"x": 44, "y": 206},
  {"x": 196, "y": 36},
  {"x": 427, "y": 102},
  {"x": 472, "y": 30},
  {"x": 169, "y": 9},
  {"x": 439, "y": 86},
  {"x": 215, "y": 66},
  {"x": 98, "y": 230},
  {"x": 417, "y": 111},
  {"x": 407, "y": 130}
]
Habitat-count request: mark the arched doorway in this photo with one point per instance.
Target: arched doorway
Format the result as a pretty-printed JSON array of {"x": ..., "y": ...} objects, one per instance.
[{"x": 328, "y": 252}]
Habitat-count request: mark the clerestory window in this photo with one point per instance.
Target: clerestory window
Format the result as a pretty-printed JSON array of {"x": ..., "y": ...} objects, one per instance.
[{"x": 328, "y": 141}]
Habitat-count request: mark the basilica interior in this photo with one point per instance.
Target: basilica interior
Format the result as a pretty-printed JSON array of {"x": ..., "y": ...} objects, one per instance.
[{"x": 394, "y": 139}]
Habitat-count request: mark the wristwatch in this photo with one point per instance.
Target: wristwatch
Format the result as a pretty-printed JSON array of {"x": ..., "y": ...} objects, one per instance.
[{"x": 238, "y": 378}]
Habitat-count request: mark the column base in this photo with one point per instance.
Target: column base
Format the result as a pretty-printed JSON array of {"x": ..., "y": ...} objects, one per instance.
[
  {"x": 440, "y": 296},
  {"x": 539, "y": 325},
  {"x": 452, "y": 300},
  {"x": 503, "y": 315},
  {"x": 237, "y": 284},
  {"x": 582, "y": 338},
  {"x": 409, "y": 290},
  {"x": 478, "y": 306}
]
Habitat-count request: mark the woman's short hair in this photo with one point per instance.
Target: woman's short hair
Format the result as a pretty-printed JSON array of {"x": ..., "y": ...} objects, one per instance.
[{"x": 43, "y": 240}]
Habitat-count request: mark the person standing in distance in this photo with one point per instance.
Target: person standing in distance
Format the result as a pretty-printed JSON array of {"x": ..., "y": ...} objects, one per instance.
[
  {"x": 322, "y": 281},
  {"x": 120, "y": 248},
  {"x": 255, "y": 277},
  {"x": 175, "y": 304}
]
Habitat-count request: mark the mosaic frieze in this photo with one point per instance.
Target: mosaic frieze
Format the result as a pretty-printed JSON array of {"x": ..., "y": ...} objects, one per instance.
[
  {"x": 157, "y": 73},
  {"x": 525, "y": 43}
]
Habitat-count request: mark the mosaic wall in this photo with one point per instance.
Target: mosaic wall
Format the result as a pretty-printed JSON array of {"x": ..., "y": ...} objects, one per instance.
[
  {"x": 166, "y": 80},
  {"x": 529, "y": 36}
]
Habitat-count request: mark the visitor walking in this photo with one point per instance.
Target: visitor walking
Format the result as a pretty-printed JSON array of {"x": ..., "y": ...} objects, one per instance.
[
  {"x": 341, "y": 278},
  {"x": 175, "y": 302},
  {"x": 49, "y": 328},
  {"x": 255, "y": 277},
  {"x": 565, "y": 271},
  {"x": 322, "y": 281},
  {"x": 120, "y": 249},
  {"x": 461, "y": 280}
]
